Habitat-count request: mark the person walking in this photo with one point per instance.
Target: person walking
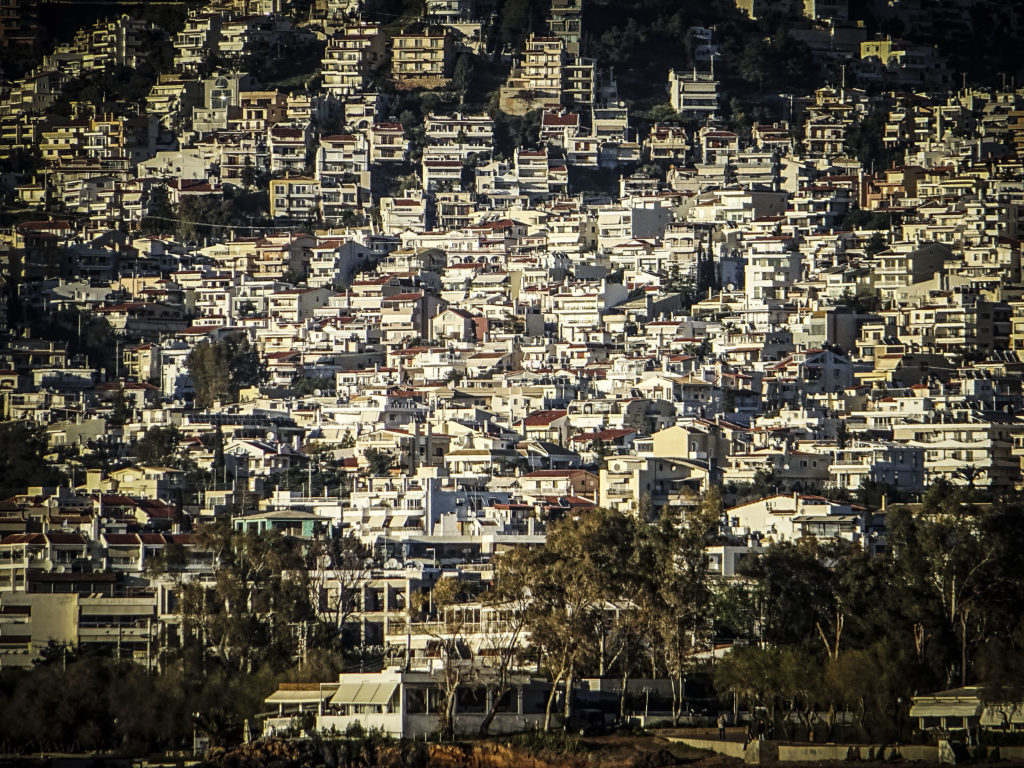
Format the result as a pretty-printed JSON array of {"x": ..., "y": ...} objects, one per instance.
[{"x": 721, "y": 727}]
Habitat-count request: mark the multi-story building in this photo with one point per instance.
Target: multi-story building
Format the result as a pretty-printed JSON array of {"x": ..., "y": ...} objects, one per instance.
[
  {"x": 693, "y": 94},
  {"x": 387, "y": 143},
  {"x": 353, "y": 54},
  {"x": 425, "y": 58},
  {"x": 295, "y": 198},
  {"x": 536, "y": 77},
  {"x": 565, "y": 22}
]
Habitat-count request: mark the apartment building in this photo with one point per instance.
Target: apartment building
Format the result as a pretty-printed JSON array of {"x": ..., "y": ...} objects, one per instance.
[{"x": 425, "y": 58}]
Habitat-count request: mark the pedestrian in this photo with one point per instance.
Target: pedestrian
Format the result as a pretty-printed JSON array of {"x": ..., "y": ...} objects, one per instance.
[{"x": 721, "y": 727}]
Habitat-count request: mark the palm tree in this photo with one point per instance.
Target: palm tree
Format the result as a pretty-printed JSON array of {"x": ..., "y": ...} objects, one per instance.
[{"x": 969, "y": 473}]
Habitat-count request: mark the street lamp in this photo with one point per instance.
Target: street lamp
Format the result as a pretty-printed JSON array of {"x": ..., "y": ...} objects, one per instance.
[{"x": 899, "y": 721}]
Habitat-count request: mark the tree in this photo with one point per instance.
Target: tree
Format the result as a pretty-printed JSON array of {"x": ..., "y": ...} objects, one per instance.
[
  {"x": 462, "y": 75},
  {"x": 448, "y": 598},
  {"x": 565, "y": 598},
  {"x": 220, "y": 369},
  {"x": 160, "y": 447},
  {"x": 752, "y": 675},
  {"x": 160, "y": 213},
  {"x": 683, "y": 591},
  {"x": 121, "y": 410},
  {"x": 22, "y": 458},
  {"x": 794, "y": 588},
  {"x": 509, "y": 597},
  {"x": 379, "y": 462},
  {"x": 260, "y": 594},
  {"x": 842, "y": 435},
  {"x": 876, "y": 244},
  {"x": 798, "y": 685},
  {"x": 947, "y": 554},
  {"x": 338, "y": 571}
]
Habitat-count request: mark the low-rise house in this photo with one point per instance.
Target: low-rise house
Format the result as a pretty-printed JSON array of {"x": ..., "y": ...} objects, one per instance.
[{"x": 402, "y": 704}]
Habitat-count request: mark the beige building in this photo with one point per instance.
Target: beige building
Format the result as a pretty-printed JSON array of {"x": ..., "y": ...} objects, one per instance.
[
  {"x": 425, "y": 58},
  {"x": 123, "y": 626},
  {"x": 645, "y": 484}
]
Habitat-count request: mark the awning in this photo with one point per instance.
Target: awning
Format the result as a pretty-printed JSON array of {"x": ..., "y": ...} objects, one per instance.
[
  {"x": 364, "y": 693},
  {"x": 996, "y": 715},
  {"x": 298, "y": 697},
  {"x": 945, "y": 709}
]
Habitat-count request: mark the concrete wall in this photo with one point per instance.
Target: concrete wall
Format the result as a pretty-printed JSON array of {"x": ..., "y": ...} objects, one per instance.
[
  {"x": 729, "y": 748},
  {"x": 815, "y": 752},
  {"x": 919, "y": 752},
  {"x": 764, "y": 751}
]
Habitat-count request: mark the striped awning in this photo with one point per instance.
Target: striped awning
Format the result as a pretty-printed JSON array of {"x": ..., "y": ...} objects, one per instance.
[{"x": 364, "y": 693}]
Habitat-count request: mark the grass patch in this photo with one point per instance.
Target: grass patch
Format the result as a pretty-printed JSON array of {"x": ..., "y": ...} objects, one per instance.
[{"x": 550, "y": 742}]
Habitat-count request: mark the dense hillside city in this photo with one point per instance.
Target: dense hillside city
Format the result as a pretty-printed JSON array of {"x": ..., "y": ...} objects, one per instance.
[{"x": 376, "y": 370}]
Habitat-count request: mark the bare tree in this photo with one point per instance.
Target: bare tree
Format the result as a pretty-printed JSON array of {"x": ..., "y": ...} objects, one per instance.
[
  {"x": 509, "y": 599},
  {"x": 449, "y": 598},
  {"x": 339, "y": 569}
]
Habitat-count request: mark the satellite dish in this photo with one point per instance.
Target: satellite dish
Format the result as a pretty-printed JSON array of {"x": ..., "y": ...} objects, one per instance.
[
  {"x": 48, "y": 565},
  {"x": 317, "y": 393},
  {"x": 730, "y": 287},
  {"x": 392, "y": 565}
]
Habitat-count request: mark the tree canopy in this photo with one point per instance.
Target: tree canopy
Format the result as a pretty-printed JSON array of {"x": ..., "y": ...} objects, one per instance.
[
  {"x": 221, "y": 368},
  {"x": 23, "y": 448}
]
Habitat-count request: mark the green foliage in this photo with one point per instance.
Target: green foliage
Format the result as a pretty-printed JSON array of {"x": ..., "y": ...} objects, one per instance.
[
  {"x": 293, "y": 276},
  {"x": 259, "y": 592},
  {"x": 548, "y": 743},
  {"x": 160, "y": 214},
  {"x": 863, "y": 303},
  {"x": 159, "y": 447},
  {"x": 220, "y": 369},
  {"x": 307, "y": 385},
  {"x": 121, "y": 410},
  {"x": 839, "y": 629},
  {"x": 794, "y": 586},
  {"x": 514, "y": 131},
  {"x": 89, "y": 702},
  {"x": 284, "y": 67},
  {"x": 516, "y": 19},
  {"x": 864, "y": 141},
  {"x": 23, "y": 447},
  {"x": 876, "y": 244},
  {"x": 83, "y": 334},
  {"x": 210, "y": 216},
  {"x": 380, "y": 462}
]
